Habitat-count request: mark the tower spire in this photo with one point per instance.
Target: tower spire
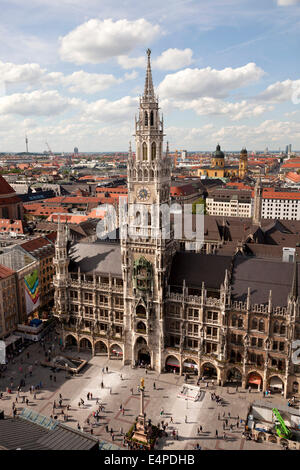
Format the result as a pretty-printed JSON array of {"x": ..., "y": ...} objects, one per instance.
[{"x": 149, "y": 90}]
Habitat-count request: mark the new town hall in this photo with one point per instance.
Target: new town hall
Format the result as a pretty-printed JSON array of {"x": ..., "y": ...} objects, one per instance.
[{"x": 145, "y": 299}]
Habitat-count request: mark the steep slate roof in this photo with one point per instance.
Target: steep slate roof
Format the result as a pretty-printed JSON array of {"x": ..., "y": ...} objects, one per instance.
[
  {"x": 102, "y": 257},
  {"x": 261, "y": 276},
  {"x": 196, "y": 268}
]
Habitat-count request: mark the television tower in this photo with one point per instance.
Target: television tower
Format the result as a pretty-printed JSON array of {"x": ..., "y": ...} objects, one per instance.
[{"x": 26, "y": 142}]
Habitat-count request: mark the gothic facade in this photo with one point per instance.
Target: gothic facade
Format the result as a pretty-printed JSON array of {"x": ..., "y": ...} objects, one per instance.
[{"x": 140, "y": 299}]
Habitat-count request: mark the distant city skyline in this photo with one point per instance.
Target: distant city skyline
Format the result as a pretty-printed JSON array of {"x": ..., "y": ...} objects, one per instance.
[{"x": 226, "y": 71}]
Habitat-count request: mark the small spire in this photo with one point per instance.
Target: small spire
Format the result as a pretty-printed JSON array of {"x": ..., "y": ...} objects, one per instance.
[
  {"x": 149, "y": 90},
  {"x": 294, "y": 290}
]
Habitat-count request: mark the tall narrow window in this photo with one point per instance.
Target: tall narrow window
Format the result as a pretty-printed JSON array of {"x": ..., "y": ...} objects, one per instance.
[
  {"x": 146, "y": 118},
  {"x": 144, "y": 151},
  {"x": 151, "y": 119},
  {"x": 153, "y": 151}
]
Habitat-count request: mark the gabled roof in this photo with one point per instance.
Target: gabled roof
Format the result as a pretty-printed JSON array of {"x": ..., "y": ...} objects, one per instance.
[{"x": 5, "y": 188}]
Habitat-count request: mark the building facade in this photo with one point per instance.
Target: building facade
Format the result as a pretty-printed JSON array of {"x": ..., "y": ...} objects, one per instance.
[{"x": 142, "y": 300}]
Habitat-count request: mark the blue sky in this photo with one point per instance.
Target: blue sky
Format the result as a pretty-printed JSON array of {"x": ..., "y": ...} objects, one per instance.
[{"x": 225, "y": 71}]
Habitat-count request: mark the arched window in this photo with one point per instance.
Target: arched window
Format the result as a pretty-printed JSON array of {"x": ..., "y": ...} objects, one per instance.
[
  {"x": 138, "y": 218},
  {"x": 144, "y": 151},
  {"x": 151, "y": 119},
  {"x": 140, "y": 178},
  {"x": 153, "y": 151},
  {"x": 151, "y": 175},
  {"x": 240, "y": 322},
  {"x": 233, "y": 320},
  {"x": 145, "y": 175},
  {"x": 146, "y": 118},
  {"x": 149, "y": 219},
  {"x": 141, "y": 327},
  {"x": 276, "y": 327},
  {"x": 134, "y": 174},
  {"x": 238, "y": 357},
  {"x": 282, "y": 329},
  {"x": 254, "y": 324},
  {"x": 261, "y": 325}
]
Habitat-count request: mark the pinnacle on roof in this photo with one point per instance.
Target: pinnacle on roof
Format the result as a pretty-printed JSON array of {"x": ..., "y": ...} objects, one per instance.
[
  {"x": 294, "y": 290},
  {"x": 149, "y": 90}
]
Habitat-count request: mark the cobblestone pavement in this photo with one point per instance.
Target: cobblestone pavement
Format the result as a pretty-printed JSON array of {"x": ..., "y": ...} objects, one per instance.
[{"x": 186, "y": 415}]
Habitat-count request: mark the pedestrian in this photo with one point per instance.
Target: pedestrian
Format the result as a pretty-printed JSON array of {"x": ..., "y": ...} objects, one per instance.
[
  {"x": 121, "y": 431},
  {"x": 218, "y": 416},
  {"x": 131, "y": 391},
  {"x": 216, "y": 433},
  {"x": 106, "y": 428},
  {"x": 249, "y": 389},
  {"x": 185, "y": 419},
  {"x": 228, "y": 414},
  {"x": 110, "y": 390},
  {"x": 171, "y": 419},
  {"x": 123, "y": 411},
  {"x": 154, "y": 386},
  {"x": 106, "y": 369},
  {"x": 224, "y": 436},
  {"x": 200, "y": 428},
  {"x": 112, "y": 437}
]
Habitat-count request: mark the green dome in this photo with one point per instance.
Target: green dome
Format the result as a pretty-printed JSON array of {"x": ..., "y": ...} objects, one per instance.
[{"x": 218, "y": 152}]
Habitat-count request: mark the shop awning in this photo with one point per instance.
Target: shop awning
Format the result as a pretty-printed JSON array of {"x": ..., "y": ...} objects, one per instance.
[
  {"x": 276, "y": 382},
  {"x": 172, "y": 361},
  {"x": 190, "y": 365},
  {"x": 255, "y": 379}
]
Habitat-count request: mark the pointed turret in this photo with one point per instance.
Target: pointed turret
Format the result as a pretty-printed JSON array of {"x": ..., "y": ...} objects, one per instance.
[
  {"x": 294, "y": 291},
  {"x": 148, "y": 90}
]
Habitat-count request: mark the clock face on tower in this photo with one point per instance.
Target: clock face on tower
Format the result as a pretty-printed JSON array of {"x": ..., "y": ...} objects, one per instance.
[{"x": 143, "y": 194}]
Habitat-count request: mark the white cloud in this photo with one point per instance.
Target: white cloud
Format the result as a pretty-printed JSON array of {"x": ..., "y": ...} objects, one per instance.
[
  {"x": 170, "y": 59},
  {"x": 89, "y": 83},
  {"x": 132, "y": 62},
  {"x": 280, "y": 91},
  {"x": 39, "y": 103},
  {"x": 285, "y": 3},
  {"x": 97, "y": 41},
  {"x": 15, "y": 73},
  {"x": 195, "y": 83},
  {"x": 173, "y": 59},
  {"x": 211, "y": 106},
  {"x": 105, "y": 110}
]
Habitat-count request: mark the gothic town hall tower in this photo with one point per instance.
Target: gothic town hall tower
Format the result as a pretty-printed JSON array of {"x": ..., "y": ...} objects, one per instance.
[{"x": 148, "y": 247}]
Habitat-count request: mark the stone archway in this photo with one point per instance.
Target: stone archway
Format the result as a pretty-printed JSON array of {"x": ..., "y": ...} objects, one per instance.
[
  {"x": 276, "y": 384},
  {"x": 142, "y": 355},
  {"x": 101, "y": 349},
  {"x": 234, "y": 376},
  {"x": 209, "y": 371},
  {"x": 85, "y": 345},
  {"x": 172, "y": 364},
  {"x": 254, "y": 380},
  {"x": 116, "y": 352},
  {"x": 190, "y": 366},
  {"x": 71, "y": 342}
]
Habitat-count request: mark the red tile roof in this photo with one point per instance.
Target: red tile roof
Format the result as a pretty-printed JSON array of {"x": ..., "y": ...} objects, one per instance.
[{"x": 5, "y": 272}]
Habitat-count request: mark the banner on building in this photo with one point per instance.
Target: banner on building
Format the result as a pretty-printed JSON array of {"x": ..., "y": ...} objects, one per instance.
[{"x": 32, "y": 291}]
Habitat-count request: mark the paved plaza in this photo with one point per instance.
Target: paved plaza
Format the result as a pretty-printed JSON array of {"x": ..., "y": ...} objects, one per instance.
[{"x": 184, "y": 416}]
